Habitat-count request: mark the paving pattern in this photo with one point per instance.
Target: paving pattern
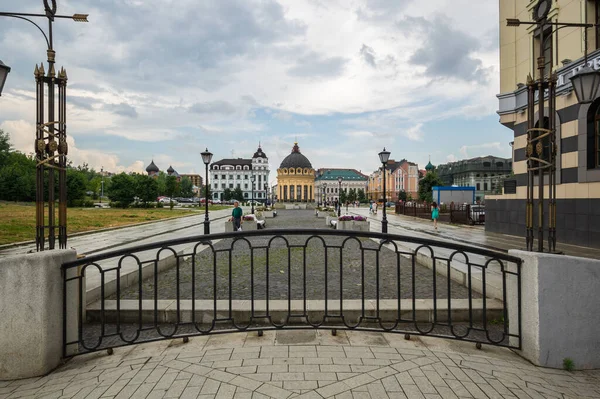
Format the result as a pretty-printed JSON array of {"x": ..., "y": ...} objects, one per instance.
[{"x": 306, "y": 364}]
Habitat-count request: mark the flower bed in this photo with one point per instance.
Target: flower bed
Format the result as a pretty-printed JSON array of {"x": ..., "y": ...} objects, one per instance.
[{"x": 347, "y": 218}]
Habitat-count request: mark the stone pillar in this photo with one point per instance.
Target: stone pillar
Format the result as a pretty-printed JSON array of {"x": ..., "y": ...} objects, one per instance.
[
  {"x": 31, "y": 310},
  {"x": 560, "y": 309}
]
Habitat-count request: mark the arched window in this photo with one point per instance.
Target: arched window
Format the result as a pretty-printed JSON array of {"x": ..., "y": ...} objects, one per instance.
[{"x": 593, "y": 136}]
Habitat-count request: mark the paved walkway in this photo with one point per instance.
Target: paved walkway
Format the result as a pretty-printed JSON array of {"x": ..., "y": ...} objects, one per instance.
[
  {"x": 464, "y": 234},
  {"x": 306, "y": 364}
]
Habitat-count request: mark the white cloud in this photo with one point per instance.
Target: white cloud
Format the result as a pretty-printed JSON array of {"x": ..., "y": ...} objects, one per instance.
[
  {"x": 415, "y": 133},
  {"x": 469, "y": 151},
  {"x": 451, "y": 158}
]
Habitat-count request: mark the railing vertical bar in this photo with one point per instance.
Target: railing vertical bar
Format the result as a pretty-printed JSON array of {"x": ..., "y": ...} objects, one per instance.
[
  {"x": 119, "y": 299},
  {"x": 155, "y": 293},
  {"x": 470, "y": 293},
  {"x": 178, "y": 290},
  {"x": 252, "y": 285},
  {"x": 399, "y": 286},
  {"x": 214, "y": 286},
  {"x": 413, "y": 283},
  {"x": 449, "y": 284},
  {"x": 140, "y": 293},
  {"x": 362, "y": 280},
  {"x": 102, "y": 304},
  {"x": 519, "y": 300},
  {"x": 503, "y": 269},
  {"x": 341, "y": 285},
  {"x": 64, "y": 308},
  {"x": 289, "y": 284},
  {"x": 80, "y": 314},
  {"x": 326, "y": 286},
  {"x": 377, "y": 279},
  {"x": 194, "y": 286},
  {"x": 434, "y": 269},
  {"x": 483, "y": 294},
  {"x": 304, "y": 283},
  {"x": 230, "y": 289},
  {"x": 267, "y": 286}
]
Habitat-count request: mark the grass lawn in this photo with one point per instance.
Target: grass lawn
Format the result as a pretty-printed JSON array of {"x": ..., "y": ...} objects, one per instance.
[{"x": 17, "y": 221}]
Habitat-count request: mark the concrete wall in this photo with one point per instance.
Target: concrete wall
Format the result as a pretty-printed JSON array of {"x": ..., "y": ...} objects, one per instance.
[
  {"x": 560, "y": 309},
  {"x": 31, "y": 309}
]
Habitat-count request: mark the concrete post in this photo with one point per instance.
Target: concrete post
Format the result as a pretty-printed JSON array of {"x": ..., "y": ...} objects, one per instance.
[
  {"x": 31, "y": 309},
  {"x": 560, "y": 309}
]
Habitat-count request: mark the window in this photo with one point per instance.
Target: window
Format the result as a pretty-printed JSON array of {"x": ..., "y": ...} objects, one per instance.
[
  {"x": 238, "y": 185},
  {"x": 238, "y": 177},
  {"x": 230, "y": 185},
  {"x": 215, "y": 185},
  {"x": 246, "y": 186},
  {"x": 223, "y": 177},
  {"x": 485, "y": 186},
  {"x": 245, "y": 195},
  {"x": 478, "y": 186},
  {"x": 223, "y": 185},
  {"x": 216, "y": 177},
  {"x": 593, "y": 136},
  {"x": 245, "y": 177}
]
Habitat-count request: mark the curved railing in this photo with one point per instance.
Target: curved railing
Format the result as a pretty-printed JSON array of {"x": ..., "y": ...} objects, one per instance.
[{"x": 291, "y": 279}]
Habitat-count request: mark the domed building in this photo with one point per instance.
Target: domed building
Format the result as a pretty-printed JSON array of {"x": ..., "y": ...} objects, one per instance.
[
  {"x": 152, "y": 169},
  {"x": 296, "y": 178}
]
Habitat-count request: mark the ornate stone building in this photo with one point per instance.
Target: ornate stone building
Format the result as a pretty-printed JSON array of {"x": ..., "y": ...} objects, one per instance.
[
  {"x": 400, "y": 176},
  {"x": 296, "y": 178},
  {"x": 234, "y": 173},
  {"x": 486, "y": 174},
  {"x": 327, "y": 185}
]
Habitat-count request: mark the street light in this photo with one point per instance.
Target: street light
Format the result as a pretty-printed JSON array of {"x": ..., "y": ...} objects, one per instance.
[
  {"x": 324, "y": 185},
  {"x": 541, "y": 140},
  {"x": 102, "y": 183},
  {"x": 252, "y": 179},
  {"x": 206, "y": 158},
  {"x": 384, "y": 156},
  {"x": 4, "y": 70},
  {"x": 50, "y": 145},
  {"x": 340, "y": 196}
]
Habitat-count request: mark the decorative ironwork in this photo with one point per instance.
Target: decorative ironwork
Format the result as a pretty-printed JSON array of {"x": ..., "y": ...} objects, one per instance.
[{"x": 258, "y": 280}]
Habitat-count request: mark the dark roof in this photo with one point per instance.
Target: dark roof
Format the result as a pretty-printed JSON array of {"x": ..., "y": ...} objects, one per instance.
[
  {"x": 238, "y": 161},
  {"x": 170, "y": 170},
  {"x": 259, "y": 153},
  {"x": 295, "y": 159},
  {"x": 152, "y": 167}
]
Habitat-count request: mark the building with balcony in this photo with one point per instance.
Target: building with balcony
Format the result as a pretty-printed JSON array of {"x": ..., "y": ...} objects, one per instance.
[
  {"x": 327, "y": 185},
  {"x": 238, "y": 173},
  {"x": 486, "y": 174},
  {"x": 577, "y": 125}
]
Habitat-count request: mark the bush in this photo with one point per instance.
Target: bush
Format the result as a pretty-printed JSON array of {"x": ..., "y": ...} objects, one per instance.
[{"x": 160, "y": 205}]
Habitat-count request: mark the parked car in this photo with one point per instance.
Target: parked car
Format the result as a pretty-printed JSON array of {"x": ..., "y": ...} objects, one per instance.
[
  {"x": 167, "y": 200},
  {"x": 476, "y": 214},
  {"x": 203, "y": 201},
  {"x": 215, "y": 201}
]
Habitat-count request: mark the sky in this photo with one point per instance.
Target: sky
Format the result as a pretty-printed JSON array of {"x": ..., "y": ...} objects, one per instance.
[{"x": 166, "y": 79}]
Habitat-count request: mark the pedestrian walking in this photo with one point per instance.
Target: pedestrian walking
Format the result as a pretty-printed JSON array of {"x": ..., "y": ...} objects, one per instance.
[
  {"x": 371, "y": 208},
  {"x": 435, "y": 214},
  {"x": 236, "y": 216}
]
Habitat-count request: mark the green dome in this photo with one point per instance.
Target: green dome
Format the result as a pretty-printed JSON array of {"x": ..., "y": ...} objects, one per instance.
[{"x": 429, "y": 166}]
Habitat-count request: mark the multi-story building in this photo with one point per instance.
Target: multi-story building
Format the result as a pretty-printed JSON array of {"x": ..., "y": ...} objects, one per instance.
[
  {"x": 486, "y": 174},
  {"x": 400, "y": 176},
  {"x": 577, "y": 129},
  {"x": 196, "y": 179},
  {"x": 327, "y": 185},
  {"x": 238, "y": 173}
]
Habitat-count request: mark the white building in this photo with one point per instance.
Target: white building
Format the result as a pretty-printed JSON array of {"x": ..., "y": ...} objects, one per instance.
[{"x": 233, "y": 173}]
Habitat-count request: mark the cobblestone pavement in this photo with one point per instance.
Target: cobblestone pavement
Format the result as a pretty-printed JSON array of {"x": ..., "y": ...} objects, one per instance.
[
  {"x": 315, "y": 272},
  {"x": 305, "y": 364}
]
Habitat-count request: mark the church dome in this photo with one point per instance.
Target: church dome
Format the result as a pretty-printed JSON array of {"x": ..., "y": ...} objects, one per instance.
[
  {"x": 429, "y": 166},
  {"x": 152, "y": 168},
  {"x": 295, "y": 159},
  {"x": 170, "y": 170}
]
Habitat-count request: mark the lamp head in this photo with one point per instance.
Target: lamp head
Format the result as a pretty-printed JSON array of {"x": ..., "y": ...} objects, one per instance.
[
  {"x": 4, "y": 70},
  {"x": 206, "y": 156},
  {"x": 586, "y": 83}
]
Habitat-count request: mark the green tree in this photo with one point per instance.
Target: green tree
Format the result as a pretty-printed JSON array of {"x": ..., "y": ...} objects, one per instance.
[
  {"x": 162, "y": 183},
  {"x": 361, "y": 195},
  {"x": 95, "y": 185},
  {"x": 187, "y": 187},
  {"x": 5, "y": 148},
  {"x": 238, "y": 194},
  {"x": 352, "y": 195},
  {"x": 343, "y": 196},
  {"x": 227, "y": 194},
  {"x": 172, "y": 187},
  {"x": 146, "y": 188},
  {"x": 76, "y": 186},
  {"x": 402, "y": 195},
  {"x": 203, "y": 192},
  {"x": 121, "y": 190},
  {"x": 17, "y": 178},
  {"x": 426, "y": 185}
]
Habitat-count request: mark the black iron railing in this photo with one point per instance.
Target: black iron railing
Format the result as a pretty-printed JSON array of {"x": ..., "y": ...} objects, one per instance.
[{"x": 291, "y": 279}]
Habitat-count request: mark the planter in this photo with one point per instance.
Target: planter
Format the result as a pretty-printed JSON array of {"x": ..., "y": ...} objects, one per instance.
[
  {"x": 353, "y": 225},
  {"x": 246, "y": 225},
  {"x": 269, "y": 214}
]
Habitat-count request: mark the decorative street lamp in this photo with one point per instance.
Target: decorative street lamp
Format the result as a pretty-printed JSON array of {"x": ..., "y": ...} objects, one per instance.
[
  {"x": 541, "y": 139},
  {"x": 206, "y": 158},
  {"x": 253, "y": 179},
  {"x": 340, "y": 196},
  {"x": 50, "y": 145},
  {"x": 383, "y": 157},
  {"x": 4, "y": 70}
]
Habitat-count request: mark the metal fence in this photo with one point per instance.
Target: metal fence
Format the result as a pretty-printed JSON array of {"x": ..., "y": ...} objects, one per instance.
[{"x": 291, "y": 279}]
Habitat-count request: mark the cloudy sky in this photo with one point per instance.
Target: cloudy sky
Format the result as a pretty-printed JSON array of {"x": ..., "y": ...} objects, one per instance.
[{"x": 165, "y": 79}]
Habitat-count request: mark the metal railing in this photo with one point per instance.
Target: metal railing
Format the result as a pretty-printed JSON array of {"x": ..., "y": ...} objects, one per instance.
[
  {"x": 291, "y": 279},
  {"x": 464, "y": 214}
]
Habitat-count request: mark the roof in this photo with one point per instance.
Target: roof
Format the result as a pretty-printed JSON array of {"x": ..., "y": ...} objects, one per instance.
[
  {"x": 295, "y": 159},
  {"x": 327, "y": 174},
  {"x": 429, "y": 166},
  {"x": 237, "y": 161},
  {"x": 152, "y": 167},
  {"x": 259, "y": 153}
]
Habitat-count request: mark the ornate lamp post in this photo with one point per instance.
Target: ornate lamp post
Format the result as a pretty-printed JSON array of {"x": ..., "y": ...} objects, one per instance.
[
  {"x": 51, "y": 133},
  {"x": 206, "y": 158},
  {"x": 252, "y": 179},
  {"x": 340, "y": 196},
  {"x": 541, "y": 140},
  {"x": 383, "y": 157},
  {"x": 4, "y": 70}
]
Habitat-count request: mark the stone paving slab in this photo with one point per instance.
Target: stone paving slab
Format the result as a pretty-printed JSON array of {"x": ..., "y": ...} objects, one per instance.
[{"x": 305, "y": 364}]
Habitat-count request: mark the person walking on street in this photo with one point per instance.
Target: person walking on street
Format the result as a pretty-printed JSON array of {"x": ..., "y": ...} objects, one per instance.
[
  {"x": 435, "y": 214},
  {"x": 236, "y": 216}
]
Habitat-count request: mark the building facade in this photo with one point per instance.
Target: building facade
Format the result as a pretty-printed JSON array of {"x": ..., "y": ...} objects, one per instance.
[
  {"x": 400, "y": 176},
  {"x": 296, "y": 178},
  {"x": 577, "y": 125},
  {"x": 196, "y": 179},
  {"x": 486, "y": 174},
  {"x": 327, "y": 185},
  {"x": 238, "y": 173}
]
